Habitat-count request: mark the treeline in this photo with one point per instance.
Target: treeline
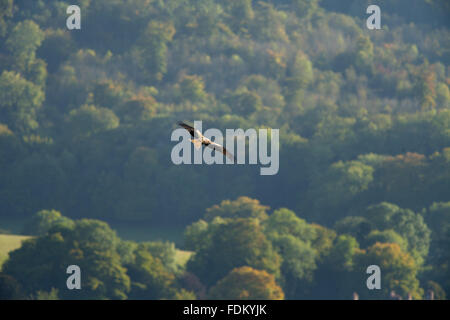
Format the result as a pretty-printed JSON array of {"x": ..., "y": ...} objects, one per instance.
[
  {"x": 239, "y": 250},
  {"x": 364, "y": 117}
]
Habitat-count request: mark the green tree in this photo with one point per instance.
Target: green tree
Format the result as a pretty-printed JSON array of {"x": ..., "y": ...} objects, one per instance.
[
  {"x": 164, "y": 251},
  {"x": 386, "y": 236},
  {"x": 136, "y": 184},
  {"x": 89, "y": 119},
  {"x": 244, "y": 102},
  {"x": 137, "y": 109},
  {"x": 323, "y": 241},
  {"x": 19, "y": 102},
  {"x": 300, "y": 75},
  {"x": 23, "y": 42},
  {"x": 305, "y": 8},
  {"x": 239, "y": 13},
  {"x": 235, "y": 243},
  {"x": 268, "y": 23},
  {"x": 40, "y": 174},
  {"x": 150, "y": 278},
  {"x": 343, "y": 252},
  {"x": 340, "y": 184},
  {"x": 298, "y": 264},
  {"x": 425, "y": 87},
  {"x": 399, "y": 272},
  {"x": 56, "y": 48},
  {"x": 196, "y": 235},
  {"x": 44, "y": 220},
  {"x": 364, "y": 54},
  {"x": 334, "y": 277},
  {"x": 6, "y": 12},
  {"x": 284, "y": 222},
  {"x": 151, "y": 52},
  {"x": 406, "y": 223},
  {"x": 47, "y": 295},
  {"x": 40, "y": 264},
  {"x": 292, "y": 238},
  {"x": 438, "y": 218},
  {"x": 442, "y": 96},
  {"x": 242, "y": 207},
  {"x": 192, "y": 88},
  {"x": 358, "y": 227},
  {"x": 12, "y": 149},
  {"x": 10, "y": 288}
]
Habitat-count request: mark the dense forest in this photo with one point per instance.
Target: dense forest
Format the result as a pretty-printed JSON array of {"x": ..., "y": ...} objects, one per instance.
[{"x": 364, "y": 177}]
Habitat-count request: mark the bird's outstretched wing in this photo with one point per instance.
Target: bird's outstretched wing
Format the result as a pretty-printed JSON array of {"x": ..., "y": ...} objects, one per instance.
[
  {"x": 206, "y": 142},
  {"x": 219, "y": 148},
  {"x": 187, "y": 127}
]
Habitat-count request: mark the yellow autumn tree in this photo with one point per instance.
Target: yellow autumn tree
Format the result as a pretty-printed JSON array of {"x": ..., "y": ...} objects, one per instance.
[
  {"x": 246, "y": 283},
  {"x": 398, "y": 271}
]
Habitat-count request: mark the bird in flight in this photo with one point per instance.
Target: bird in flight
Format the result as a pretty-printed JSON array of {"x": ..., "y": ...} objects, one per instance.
[{"x": 200, "y": 140}]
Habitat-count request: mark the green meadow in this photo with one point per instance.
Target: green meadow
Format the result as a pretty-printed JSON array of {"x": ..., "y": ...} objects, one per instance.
[{"x": 9, "y": 242}]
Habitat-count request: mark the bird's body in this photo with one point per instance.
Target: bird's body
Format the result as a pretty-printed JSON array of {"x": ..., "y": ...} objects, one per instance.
[{"x": 199, "y": 140}]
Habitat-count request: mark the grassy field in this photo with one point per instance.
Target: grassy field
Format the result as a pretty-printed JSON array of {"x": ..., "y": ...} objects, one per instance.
[
  {"x": 182, "y": 257},
  {"x": 9, "y": 242}
]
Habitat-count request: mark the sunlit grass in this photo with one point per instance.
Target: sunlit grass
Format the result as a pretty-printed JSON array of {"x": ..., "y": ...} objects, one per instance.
[
  {"x": 9, "y": 242},
  {"x": 182, "y": 257}
]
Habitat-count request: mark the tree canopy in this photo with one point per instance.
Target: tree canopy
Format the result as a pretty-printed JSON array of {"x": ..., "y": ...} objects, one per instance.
[{"x": 363, "y": 115}]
